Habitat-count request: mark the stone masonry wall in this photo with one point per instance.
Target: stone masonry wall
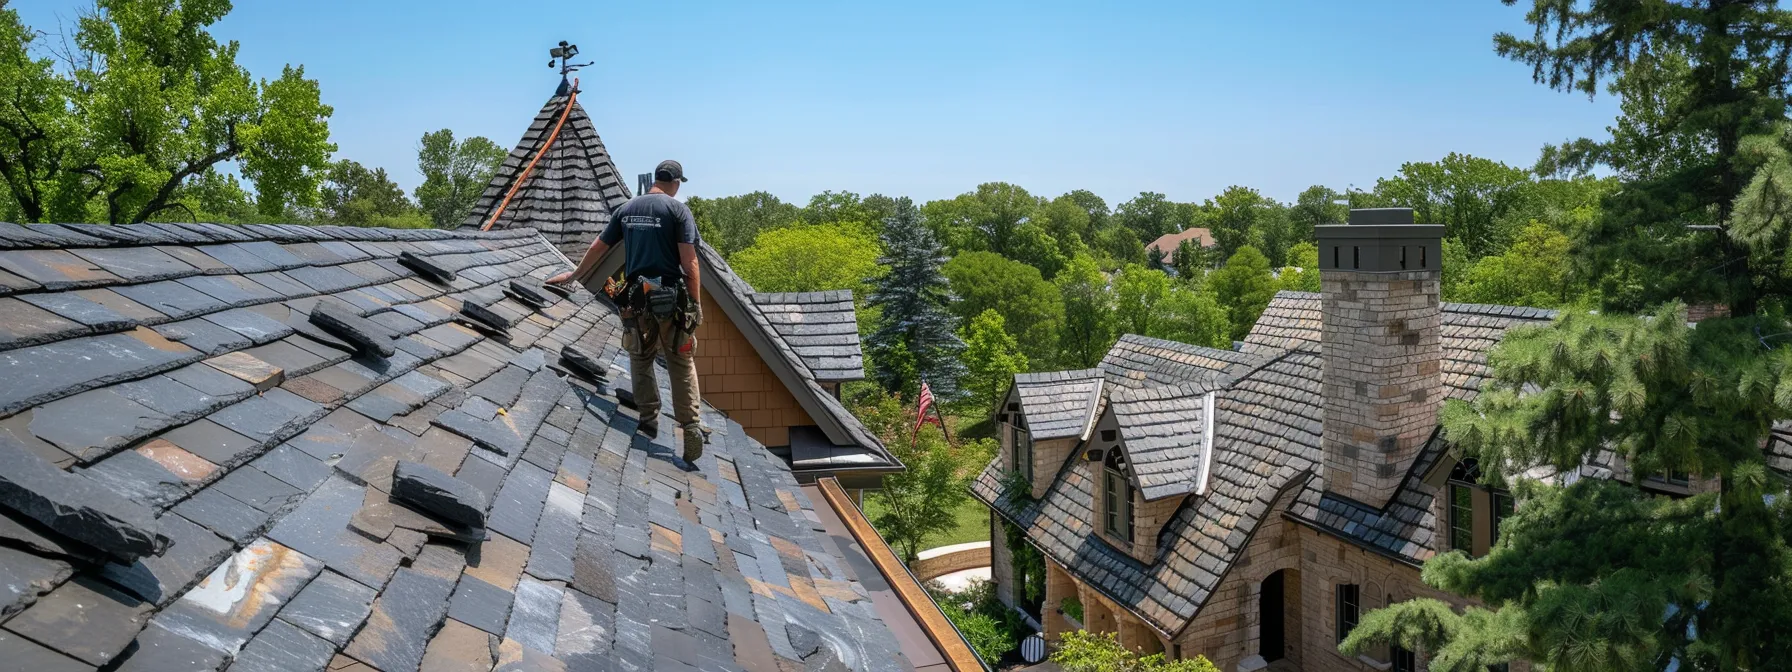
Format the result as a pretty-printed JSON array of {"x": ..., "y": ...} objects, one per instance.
[
  {"x": 1227, "y": 628},
  {"x": 1383, "y": 356},
  {"x": 733, "y": 377},
  {"x": 1149, "y": 518}
]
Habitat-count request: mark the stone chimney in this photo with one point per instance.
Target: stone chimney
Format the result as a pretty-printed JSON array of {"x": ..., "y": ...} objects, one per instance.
[{"x": 1382, "y": 317}]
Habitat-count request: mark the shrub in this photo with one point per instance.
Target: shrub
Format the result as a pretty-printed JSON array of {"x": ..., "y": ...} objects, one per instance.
[{"x": 1084, "y": 651}]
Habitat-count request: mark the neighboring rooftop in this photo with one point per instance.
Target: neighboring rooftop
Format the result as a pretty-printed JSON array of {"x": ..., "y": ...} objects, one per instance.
[
  {"x": 1169, "y": 242},
  {"x": 1263, "y": 443},
  {"x": 822, "y": 328},
  {"x": 569, "y": 194},
  {"x": 193, "y": 472}
]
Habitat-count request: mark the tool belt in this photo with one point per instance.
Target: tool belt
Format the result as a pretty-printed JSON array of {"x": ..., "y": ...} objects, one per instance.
[{"x": 651, "y": 297}]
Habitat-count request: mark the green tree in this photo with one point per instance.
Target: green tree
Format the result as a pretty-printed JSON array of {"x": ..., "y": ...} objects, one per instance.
[
  {"x": 1092, "y": 204},
  {"x": 1033, "y": 246},
  {"x": 1068, "y": 222},
  {"x": 149, "y": 102},
  {"x": 357, "y": 196},
  {"x": 732, "y": 223},
  {"x": 835, "y": 207},
  {"x": 814, "y": 258},
  {"x": 1466, "y": 194},
  {"x": 1118, "y": 244},
  {"x": 1302, "y": 272},
  {"x": 985, "y": 219},
  {"x": 991, "y": 358},
  {"x": 1192, "y": 315},
  {"x": 1192, "y": 259},
  {"x": 915, "y": 323},
  {"x": 1244, "y": 286},
  {"x": 1148, "y": 216},
  {"x": 1088, "y": 313},
  {"x": 1316, "y": 206},
  {"x": 1533, "y": 272},
  {"x": 1137, "y": 292},
  {"x": 1238, "y": 217},
  {"x": 1031, "y": 308},
  {"x": 922, "y": 501},
  {"x": 454, "y": 175},
  {"x": 1084, "y": 651}
]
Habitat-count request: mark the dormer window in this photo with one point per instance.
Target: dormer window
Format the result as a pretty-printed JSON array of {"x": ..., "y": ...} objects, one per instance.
[
  {"x": 1116, "y": 493},
  {"x": 1475, "y": 510},
  {"x": 1020, "y": 446}
]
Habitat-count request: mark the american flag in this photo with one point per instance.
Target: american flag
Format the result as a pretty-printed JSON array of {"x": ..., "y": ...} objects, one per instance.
[{"x": 923, "y": 404}]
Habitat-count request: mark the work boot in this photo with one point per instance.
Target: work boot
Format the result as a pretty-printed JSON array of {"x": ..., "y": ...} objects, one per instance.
[
  {"x": 650, "y": 426},
  {"x": 693, "y": 443}
]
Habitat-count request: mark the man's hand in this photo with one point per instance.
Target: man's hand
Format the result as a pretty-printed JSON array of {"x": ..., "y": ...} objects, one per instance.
[{"x": 560, "y": 279}]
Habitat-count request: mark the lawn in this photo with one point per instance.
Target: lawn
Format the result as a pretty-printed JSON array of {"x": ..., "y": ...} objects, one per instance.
[{"x": 973, "y": 522}]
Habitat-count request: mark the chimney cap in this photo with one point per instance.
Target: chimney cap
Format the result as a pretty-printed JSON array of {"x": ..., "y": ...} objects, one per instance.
[{"x": 1381, "y": 216}]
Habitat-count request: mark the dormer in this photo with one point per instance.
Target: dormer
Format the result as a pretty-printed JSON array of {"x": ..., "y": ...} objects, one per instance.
[
  {"x": 1151, "y": 449},
  {"x": 1042, "y": 421}
]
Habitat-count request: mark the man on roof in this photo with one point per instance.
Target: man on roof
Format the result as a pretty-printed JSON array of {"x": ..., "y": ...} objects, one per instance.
[{"x": 660, "y": 298}]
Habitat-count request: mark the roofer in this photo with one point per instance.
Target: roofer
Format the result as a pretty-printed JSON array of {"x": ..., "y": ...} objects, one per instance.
[{"x": 660, "y": 299}]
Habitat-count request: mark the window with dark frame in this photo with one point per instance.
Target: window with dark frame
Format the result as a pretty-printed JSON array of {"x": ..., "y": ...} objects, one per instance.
[
  {"x": 1405, "y": 660},
  {"x": 1503, "y": 506},
  {"x": 1462, "y": 518},
  {"x": 1116, "y": 498},
  {"x": 1348, "y": 609},
  {"x": 1021, "y": 446}
]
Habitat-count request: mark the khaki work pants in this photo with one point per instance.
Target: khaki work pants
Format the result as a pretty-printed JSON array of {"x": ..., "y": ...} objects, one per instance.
[{"x": 648, "y": 338}]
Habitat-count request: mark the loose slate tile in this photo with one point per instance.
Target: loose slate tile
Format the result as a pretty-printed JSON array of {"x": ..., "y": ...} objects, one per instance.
[
  {"x": 332, "y": 606},
  {"x": 319, "y": 528},
  {"x": 159, "y": 579},
  {"x": 75, "y": 507},
  {"x": 136, "y": 264},
  {"x": 54, "y": 269},
  {"x": 203, "y": 335},
  {"x": 481, "y": 605},
  {"x": 403, "y": 618},
  {"x": 91, "y": 425},
  {"x": 251, "y": 325},
  {"x": 40, "y": 373},
  {"x": 271, "y": 417},
  {"x": 281, "y": 647},
  {"x": 223, "y": 515},
  {"x": 254, "y": 487},
  {"x": 557, "y": 535},
  {"x": 22, "y": 532},
  {"x": 24, "y": 654},
  {"x": 75, "y": 307},
  {"x": 172, "y": 298},
  {"x": 345, "y": 323},
  {"x": 24, "y": 576},
  {"x": 535, "y": 618},
  {"x": 518, "y": 504},
  {"x": 585, "y": 629},
  {"x": 459, "y": 647},
  {"x": 483, "y": 475},
  {"x": 249, "y": 369},
  {"x": 293, "y": 467},
  {"x": 85, "y": 618},
  {"x": 235, "y": 290},
  {"x": 140, "y": 479},
  {"x": 212, "y": 441},
  {"x": 23, "y": 324},
  {"x": 158, "y": 650},
  {"x": 438, "y": 493},
  {"x": 239, "y": 597},
  {"x": 498, "y": 561}
]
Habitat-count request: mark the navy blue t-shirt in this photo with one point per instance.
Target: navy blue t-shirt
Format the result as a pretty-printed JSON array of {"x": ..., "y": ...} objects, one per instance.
[{"x": 652, "y": 225}]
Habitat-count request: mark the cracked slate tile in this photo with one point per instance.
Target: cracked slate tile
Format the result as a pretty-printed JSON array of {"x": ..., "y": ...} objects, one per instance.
[{"x": 332, "y": 606}]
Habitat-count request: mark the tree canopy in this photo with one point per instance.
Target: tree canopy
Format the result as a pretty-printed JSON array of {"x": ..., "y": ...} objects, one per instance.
[
  {"x": 811, "y": 258},
  {"x": 455, "y": 173}
]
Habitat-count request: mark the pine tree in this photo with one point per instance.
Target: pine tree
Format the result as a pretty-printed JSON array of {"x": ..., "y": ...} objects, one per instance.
[
  {"x": 914, "y": 296},
  {"x": 1602, "y": 575}
]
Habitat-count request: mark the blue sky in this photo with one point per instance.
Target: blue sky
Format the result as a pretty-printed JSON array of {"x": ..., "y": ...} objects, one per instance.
[{"x": 927, "y": 99}]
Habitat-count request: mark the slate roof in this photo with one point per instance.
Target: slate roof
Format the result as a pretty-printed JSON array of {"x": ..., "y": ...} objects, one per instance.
[
  {"x": 1265, "y": 447},
  {"x": 1059, "y": 404},
  {"x": 821, "y": 327},
  {"x": 1141, "y": 361},
  {"x": 1164, "y": 435},
  {"x": 1469, "y": 331},
  {"x": 572, "y": 191},
  {"x": 193, "y": 474}
]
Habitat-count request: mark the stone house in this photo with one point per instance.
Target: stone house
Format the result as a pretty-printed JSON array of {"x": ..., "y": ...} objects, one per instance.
[{"x": 1250, "y": 504}]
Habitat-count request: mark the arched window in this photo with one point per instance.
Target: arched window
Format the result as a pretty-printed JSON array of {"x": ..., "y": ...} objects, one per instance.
[
  {"x": 1475, "y": 510},
  {"x": 1116, "y": 495}
]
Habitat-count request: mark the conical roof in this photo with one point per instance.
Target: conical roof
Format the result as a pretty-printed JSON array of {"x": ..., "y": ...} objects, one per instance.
[{"x": 571, "y": 191}]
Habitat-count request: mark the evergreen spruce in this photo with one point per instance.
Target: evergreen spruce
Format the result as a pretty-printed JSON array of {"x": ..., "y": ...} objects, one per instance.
[{"x": 915, "y": 322}]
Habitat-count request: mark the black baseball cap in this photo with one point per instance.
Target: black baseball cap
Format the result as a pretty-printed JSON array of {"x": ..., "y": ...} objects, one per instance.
[{"x": 668, "y": 171}]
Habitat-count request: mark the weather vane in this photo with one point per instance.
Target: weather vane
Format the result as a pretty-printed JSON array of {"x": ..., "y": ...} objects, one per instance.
[{"x": 562, "y": 56}]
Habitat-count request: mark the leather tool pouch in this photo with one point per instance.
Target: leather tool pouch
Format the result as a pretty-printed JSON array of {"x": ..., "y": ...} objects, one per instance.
[{"x": 661, "y": 299}]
